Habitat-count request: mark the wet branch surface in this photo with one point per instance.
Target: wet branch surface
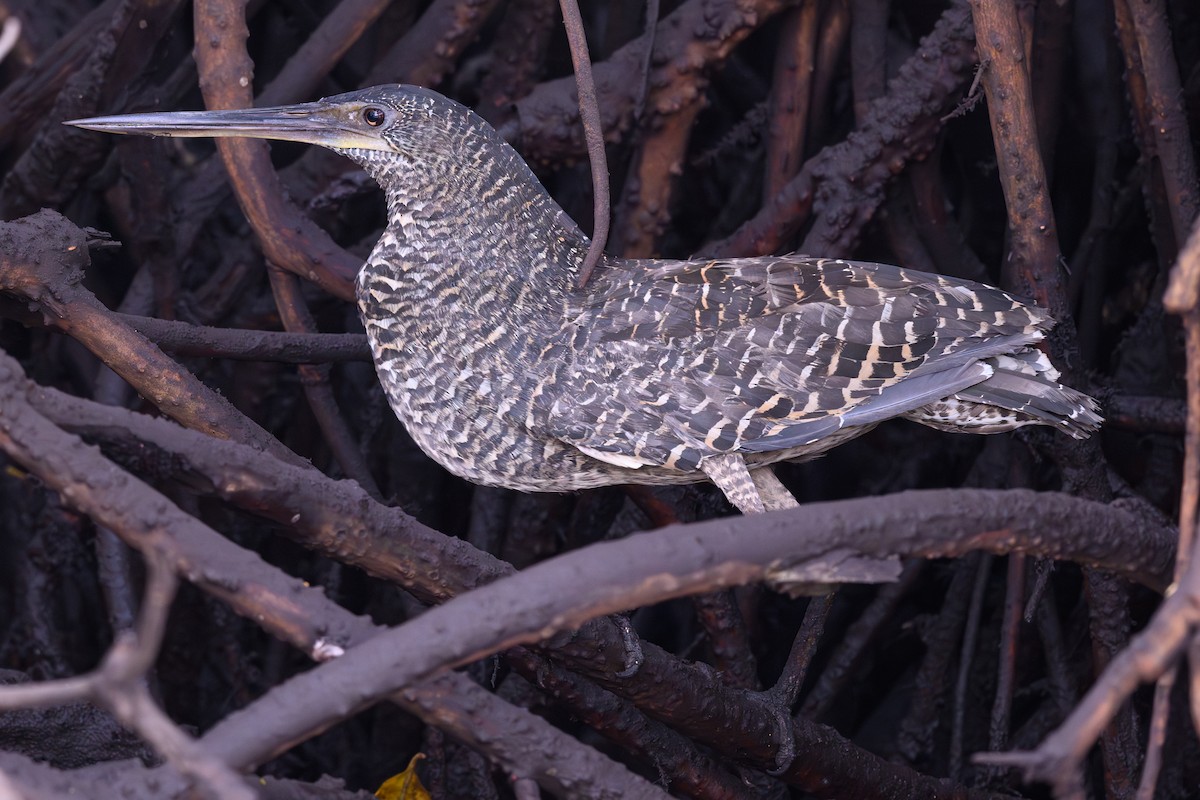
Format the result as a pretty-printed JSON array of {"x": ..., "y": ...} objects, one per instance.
[{"x": 221, "y": 555}]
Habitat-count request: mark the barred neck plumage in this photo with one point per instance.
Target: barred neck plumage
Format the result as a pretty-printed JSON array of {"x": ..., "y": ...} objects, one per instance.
[{"x": 469, "y": 225}]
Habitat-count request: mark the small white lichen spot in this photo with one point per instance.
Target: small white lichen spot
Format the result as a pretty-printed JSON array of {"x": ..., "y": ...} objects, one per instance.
[{"x": 326, "y": 651}]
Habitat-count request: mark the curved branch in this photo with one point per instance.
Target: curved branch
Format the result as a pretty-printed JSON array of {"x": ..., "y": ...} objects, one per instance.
[
  {"x": 337, "y": 517},
  {"x": 288, "y": 238},
  {"x": 851, "y": 176},
  {"x": 567, "y": 591},
  {"x": 694, "y": 38},
  {"x": 287, "y": 607},
  {"x": 42, "y": 259}
]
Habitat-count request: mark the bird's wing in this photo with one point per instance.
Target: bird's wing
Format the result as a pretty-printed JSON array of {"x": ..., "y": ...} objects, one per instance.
[{"x": 673, "y": 361}]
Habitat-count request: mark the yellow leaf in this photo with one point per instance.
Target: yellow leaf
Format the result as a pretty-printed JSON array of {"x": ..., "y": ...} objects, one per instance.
[{"x": 406, "y": 785}]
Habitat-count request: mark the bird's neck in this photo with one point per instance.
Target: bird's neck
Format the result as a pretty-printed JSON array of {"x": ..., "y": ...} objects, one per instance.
[{"x": 473, "y": 227}]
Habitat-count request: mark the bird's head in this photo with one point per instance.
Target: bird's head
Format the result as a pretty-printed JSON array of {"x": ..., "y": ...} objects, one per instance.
[
  {"x": 433, "y": 157},
  {"x": 398, "y": 121}
]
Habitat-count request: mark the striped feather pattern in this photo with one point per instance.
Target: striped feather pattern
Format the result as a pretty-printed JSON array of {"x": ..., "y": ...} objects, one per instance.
[{"x": 507, "y": 375}]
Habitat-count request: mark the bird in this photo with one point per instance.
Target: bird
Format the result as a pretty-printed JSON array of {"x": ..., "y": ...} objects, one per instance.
[{"x": 508, "y": 373}]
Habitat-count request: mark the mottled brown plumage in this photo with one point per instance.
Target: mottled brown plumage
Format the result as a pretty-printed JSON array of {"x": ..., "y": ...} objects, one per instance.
[{"x": 659, "y": 371}]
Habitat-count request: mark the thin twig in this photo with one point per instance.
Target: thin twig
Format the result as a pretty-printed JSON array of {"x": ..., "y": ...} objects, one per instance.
[
  {"x": 28, "y": 271},
  {"x": 967, "y": 653},
  {"x": 1152, "y": 764},
  {"x": 119, "y": 683},
  {"x": 589, "y": 112},
  {"x": 1194, "y": 687},
  {"x": 10, "y": 34},
  {"x": 315, "y": 378},
  {"x": 651, "y": 29},
  {"x": 804, "y": 647},
  {"x": 290, "y": 609},
  {"x": 1006, "y": 678}
]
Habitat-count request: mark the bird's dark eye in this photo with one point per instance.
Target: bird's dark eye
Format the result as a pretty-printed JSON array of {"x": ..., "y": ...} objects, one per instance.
[{"x": 373, "y": 116}]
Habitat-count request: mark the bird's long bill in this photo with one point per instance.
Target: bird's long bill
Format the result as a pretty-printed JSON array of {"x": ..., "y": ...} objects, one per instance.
[{"x": 326, "y": 124}]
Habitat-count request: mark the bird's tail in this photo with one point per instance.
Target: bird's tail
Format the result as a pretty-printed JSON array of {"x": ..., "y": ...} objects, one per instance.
[{"x": 1022, "y": 390}]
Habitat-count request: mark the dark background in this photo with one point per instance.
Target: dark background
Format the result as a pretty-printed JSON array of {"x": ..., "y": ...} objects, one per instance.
[{"x": 765, "y": 91}]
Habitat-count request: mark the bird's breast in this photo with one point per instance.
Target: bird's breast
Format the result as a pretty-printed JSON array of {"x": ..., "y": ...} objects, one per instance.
[{"x": 462, "y": 373}]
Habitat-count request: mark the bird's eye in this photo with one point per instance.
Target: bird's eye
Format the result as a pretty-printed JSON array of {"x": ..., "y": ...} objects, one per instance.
[{"x": 373, "y": 116}]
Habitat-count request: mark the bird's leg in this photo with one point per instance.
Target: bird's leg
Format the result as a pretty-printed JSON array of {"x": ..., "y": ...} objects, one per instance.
[
  {"x": 731, "y": 476},
  {"x": 753, "y": 493},
  {"x": 774, "y": 495}
]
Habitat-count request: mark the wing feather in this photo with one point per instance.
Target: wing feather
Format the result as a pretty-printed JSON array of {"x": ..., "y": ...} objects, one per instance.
[{"x": 673, "y": 361}]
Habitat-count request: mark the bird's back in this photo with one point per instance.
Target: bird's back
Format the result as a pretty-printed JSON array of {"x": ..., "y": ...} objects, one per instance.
[{"x": 665, "y": 363}]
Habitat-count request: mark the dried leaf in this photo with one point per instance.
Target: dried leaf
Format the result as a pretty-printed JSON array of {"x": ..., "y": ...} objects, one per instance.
[{"x": 406, "y": 785}]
